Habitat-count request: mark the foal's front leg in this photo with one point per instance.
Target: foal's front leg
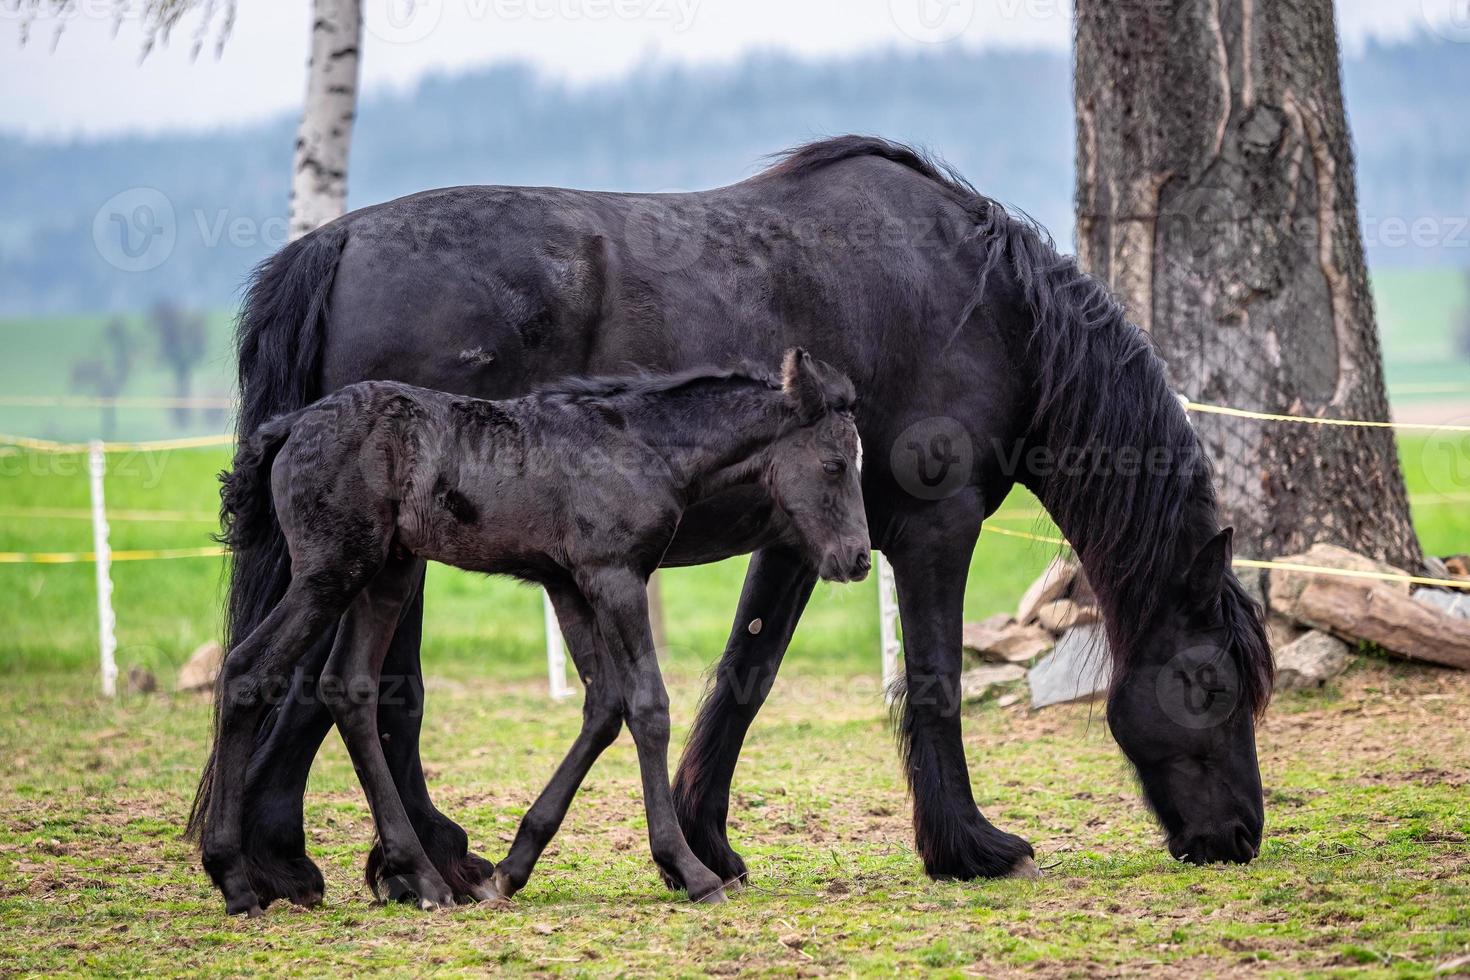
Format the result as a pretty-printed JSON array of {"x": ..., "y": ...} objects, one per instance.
[
  {"x": 350, "y": 689},
  {"x": 602, "y": 719},
  {"x": 619, "y": 598}
]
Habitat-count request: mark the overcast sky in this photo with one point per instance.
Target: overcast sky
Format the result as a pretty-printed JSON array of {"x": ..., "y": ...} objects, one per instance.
[{"x": 92, "y": 81}]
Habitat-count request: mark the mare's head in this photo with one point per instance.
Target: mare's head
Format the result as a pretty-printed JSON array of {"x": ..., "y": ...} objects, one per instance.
[
  {"x": 1198, "y": 671},
  {"x": 813, "y": 467}
]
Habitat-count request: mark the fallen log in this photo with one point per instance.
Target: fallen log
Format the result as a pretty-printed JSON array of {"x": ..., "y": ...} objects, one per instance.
[{"x": 1355, "y": 610}]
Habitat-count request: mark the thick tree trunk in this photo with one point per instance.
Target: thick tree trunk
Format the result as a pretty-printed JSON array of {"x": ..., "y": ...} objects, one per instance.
[
  {"x": 319, "y": 177},
  {"x": 1215, "y": 193}
]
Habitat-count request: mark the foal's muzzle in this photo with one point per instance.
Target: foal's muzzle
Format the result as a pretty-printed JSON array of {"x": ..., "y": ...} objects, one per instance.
[{"x": 852, "y": 568}]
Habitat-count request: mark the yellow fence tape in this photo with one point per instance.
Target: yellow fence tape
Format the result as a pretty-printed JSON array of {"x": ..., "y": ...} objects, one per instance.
[
  {"x": 1241, "y": 413},
  {"x": 1288, "y": 566},
  {"x": 86, "y": 557},
  {"x": 160, "y": 445}
]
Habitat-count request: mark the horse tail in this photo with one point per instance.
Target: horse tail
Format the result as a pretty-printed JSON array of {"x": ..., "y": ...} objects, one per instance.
[
  {"x": 247, "y": 512},
  {"x": 278, "y": 341}
]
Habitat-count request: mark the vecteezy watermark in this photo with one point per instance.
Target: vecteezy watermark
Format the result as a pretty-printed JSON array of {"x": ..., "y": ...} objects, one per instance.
[
  {"x": 1449, "y": 19},
  {"x": 146, "y": 467},
  {"x": 932, "y": 21},
  {"x": 1199, "y": 687},
  {"x": 411, "y": 21},
  {"x": 933, "y": 458},
  {"x": 1444, "y": 457},
  {"x": 1422, "y": 231},
  {"x": 135, "y": 230}
]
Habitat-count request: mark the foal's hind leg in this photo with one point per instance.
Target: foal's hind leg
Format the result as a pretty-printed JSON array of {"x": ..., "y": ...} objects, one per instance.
[
  {"x": 350, "y": 690},
  {"x": 304, "y": 612},
  {"x": 602, "y": 719},
  {"x": 400, "y": 713},
  {"x": 621, "y": 605}
]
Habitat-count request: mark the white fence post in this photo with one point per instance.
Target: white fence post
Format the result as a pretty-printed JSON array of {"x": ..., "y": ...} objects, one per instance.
[
  {"x": 106, "y": 621},
  {"x": 888, "y": 625},
  {"x": 556, "y": 651}
]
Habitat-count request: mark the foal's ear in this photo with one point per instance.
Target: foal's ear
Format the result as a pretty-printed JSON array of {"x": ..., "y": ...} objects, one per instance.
[
  {"x": 1207, "y": 572},
  {"x": 802, "y": 385}
]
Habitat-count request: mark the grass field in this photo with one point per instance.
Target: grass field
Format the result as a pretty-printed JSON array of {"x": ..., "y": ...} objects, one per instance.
[{"x": 1365, "y": 867}]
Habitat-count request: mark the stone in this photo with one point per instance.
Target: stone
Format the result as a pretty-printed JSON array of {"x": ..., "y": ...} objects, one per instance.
[
  {"x": 1001, "y": 640},
  {"x": 1447, "y": 601},
  {"x": 1310, "y": 662},
  {"x": 1458, "y": 565},
  {"x": 1052, "y": 584},
  {"x": 1060, "y": 615},
  {"x": 1282, "y": 631},
  {"x": 978, "y": 682},
  {"x": 1356, "y": 609},
  {"x": 141, "y": 681},
  {"x": 200, "y": 670},
  {"x": 1287, "y": 586},
  {"x": 1077, "y": 670},
  {"x": 1253, "y": 581}
]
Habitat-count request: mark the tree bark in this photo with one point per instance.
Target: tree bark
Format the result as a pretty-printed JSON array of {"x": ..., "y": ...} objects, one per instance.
[
  {"x": 319, "y": 176},
  {"x": 1216, "y": 195}
]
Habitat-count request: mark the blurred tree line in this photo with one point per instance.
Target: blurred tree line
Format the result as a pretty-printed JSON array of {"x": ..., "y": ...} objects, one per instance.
[{"x": 1004, "y": 118}]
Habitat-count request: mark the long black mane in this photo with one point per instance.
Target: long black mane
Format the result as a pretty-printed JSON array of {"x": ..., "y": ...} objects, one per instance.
[{"x": 1140, "y": 498}]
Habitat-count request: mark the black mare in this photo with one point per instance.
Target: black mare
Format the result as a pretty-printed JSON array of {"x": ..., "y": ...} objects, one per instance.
[
  {"x": 983, "y": 358},
  {"x": 577, "y": 489}
]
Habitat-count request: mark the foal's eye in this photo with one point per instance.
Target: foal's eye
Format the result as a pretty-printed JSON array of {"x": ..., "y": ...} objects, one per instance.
[{"x": 834, "y": 466}]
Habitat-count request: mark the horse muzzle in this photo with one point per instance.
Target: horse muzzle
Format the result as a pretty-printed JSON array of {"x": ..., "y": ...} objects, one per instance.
[{"x": 1233, "y": 844}]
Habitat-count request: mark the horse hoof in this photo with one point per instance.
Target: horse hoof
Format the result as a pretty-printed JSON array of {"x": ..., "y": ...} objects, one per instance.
[
  {"x": 715, "y": 896},
  {"x": 1025, "y": 869},
  {"x": 735, "y": 885},
  {"x": 247, "y": 905},
  {"x": 440, "y": 899}
]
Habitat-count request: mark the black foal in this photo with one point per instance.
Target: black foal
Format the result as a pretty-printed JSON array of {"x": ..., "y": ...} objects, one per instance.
[{"x": 579, "y": 489}]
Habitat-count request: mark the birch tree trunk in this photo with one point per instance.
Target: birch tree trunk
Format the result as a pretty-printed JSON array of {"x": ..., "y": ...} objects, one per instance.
[
  {"x": 319, "y": 175},
  {"x": 1216, "y": 194}
]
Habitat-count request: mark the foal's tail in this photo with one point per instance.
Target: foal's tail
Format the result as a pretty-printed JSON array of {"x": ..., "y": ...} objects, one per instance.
[
  {"x": 279, "y": 341},
  {"x": 246, "y": 512}
]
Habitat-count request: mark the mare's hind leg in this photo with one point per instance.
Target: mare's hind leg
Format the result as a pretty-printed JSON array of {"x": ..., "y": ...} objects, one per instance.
[
  {"x": 309, "y": 606},
  {"x": 621, "y": 605},
  {"x": 350, "y": 690},
  {"x": 274, "y": 834},
  {"x": 777, "y": 587},
  {"x": 602, "y": 719}
]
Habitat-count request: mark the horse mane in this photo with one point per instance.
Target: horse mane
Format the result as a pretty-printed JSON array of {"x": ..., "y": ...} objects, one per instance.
[
  {"x": 1101, "y": 391},
  {"x": 643, "y": 383}
]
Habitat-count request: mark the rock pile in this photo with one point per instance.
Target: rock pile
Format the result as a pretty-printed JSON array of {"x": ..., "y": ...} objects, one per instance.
[{"x": 1316, "y": 621}]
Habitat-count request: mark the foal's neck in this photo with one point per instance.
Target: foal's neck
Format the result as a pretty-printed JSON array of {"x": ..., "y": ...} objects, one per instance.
[{"x": 715, "y": 439}]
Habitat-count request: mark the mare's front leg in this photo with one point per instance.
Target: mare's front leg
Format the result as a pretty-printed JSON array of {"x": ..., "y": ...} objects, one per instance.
[
  {"x": 620, "y": 602},
  {"x": 778, "y": 584},
  {"x": 350, "y": 685},
  {"x": 931, "y": 560},
  {"x": 602, "y": 719}
]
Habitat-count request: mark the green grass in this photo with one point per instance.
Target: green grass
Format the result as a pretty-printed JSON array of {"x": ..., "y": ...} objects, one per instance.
[
  {"x": 1420, "y": 312},
  {"x": 1365, "y": 867}
]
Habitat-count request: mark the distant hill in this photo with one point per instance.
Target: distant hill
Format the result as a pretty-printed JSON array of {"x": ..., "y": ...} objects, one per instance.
[{"x": 1004, "y": 118}]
